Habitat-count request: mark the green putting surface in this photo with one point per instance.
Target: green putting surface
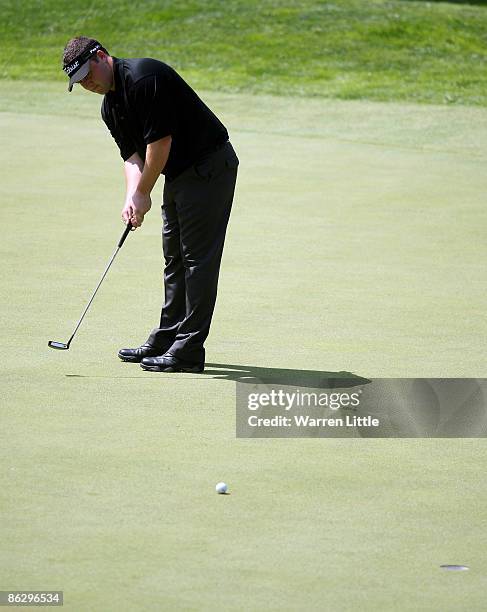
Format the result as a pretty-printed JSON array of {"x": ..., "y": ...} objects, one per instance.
[{"x": 356, "y": 244}]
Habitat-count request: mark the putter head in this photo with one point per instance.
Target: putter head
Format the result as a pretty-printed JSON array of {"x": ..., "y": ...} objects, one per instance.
[{"x": 58, "y": 345}]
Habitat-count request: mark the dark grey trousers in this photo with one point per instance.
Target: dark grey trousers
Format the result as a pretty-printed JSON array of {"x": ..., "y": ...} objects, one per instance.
[{"x": 195, "y": 212}]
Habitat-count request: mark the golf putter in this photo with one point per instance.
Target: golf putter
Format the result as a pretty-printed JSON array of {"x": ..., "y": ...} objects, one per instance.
[{"x": 61, "y": 346}]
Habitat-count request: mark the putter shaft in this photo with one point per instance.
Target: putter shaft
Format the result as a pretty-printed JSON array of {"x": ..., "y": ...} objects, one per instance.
[{"x": 62, "y": 345}]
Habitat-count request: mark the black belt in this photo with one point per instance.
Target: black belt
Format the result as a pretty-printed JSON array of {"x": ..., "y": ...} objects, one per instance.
[
  {"x": 202, "y": 155},
  {"x": 214, "y": 149}
]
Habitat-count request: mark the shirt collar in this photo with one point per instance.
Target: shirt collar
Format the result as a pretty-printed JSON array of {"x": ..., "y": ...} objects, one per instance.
[{"x": 117, "y": 77}]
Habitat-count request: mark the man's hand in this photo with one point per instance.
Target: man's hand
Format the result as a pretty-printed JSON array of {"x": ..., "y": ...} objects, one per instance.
[
  {"x": 141, "y": 178},
  {"x": 136, "y": 206}
]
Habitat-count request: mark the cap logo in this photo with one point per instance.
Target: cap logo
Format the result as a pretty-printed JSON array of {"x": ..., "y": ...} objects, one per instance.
[
  {"x": 81, "y": 59},
  {"x": 69, "y": 69}
]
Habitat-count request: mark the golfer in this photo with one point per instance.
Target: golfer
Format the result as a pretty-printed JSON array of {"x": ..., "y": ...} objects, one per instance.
[{"x": 161, "y": 126}]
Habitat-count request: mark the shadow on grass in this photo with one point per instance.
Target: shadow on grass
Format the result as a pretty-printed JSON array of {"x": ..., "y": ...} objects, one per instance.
[
  {"x": 315, "y": 379},
  {"x": 279, "y": 376}
]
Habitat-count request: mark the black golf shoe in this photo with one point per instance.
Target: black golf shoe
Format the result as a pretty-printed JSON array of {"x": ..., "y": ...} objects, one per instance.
[
  {"x": 169, "y": 363},
  {"x": 136, "y": 355}
]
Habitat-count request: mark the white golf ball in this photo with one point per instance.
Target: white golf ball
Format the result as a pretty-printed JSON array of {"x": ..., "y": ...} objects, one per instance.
[{"x": 221, "y": 487}]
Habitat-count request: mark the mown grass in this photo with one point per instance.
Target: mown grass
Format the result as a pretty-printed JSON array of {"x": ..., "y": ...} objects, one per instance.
[{"x": 403, "y": 50}]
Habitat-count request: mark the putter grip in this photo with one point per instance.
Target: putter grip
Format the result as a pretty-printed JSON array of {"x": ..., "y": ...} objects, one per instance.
[{"x": 125, "y": 234}]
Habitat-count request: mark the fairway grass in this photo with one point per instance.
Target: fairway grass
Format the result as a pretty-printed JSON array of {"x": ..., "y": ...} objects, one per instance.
[
  {"x": 356, "y": 244},
  {"x": 389, "y": 50}
]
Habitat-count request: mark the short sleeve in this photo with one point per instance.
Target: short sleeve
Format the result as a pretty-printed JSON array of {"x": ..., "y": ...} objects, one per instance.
[
  {"x": 124, "y": 143},
  {"x": 153, "y": 107}
]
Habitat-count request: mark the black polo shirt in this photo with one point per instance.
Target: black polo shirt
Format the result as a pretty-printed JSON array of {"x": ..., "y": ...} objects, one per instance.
[{"x": 152, "y": 101}]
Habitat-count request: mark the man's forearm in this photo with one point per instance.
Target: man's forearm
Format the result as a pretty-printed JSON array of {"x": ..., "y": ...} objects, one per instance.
[
  {"x": 141, "y": 178},
  {"x": 133, "y": 168},
  {"x": 156, "y": 157}
]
